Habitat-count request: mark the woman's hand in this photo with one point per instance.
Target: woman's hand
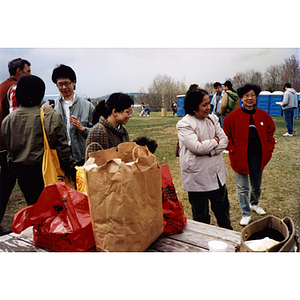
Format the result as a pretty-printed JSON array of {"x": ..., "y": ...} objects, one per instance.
[{"x": 217, "y": 139}]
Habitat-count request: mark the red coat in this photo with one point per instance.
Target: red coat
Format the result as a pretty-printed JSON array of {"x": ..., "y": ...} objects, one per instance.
[{"x": 236, "y": 127}]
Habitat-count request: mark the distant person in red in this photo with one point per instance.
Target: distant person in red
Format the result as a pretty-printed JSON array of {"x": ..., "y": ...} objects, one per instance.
[{"x": 17, "y": 68}]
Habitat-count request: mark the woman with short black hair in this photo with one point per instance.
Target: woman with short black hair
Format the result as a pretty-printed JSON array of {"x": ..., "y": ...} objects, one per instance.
[
  {"x": 251, "y": 143},
  {"x": 203, "y": 170}
]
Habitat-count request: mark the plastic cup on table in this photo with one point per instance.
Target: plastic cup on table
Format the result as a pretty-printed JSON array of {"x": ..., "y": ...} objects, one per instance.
[{"x": 217, "y": 246}]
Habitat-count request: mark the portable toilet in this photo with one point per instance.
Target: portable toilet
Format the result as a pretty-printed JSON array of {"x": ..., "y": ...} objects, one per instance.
[
  {"x": 298, "y": 106},
  {"x": 275, "y": 109},
  {"x": 180, "y": 103},
  {"x": 263, "y": 100}
]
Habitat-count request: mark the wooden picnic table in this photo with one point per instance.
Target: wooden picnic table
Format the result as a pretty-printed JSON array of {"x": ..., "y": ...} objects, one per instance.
[{"x": 194, "y": 238}]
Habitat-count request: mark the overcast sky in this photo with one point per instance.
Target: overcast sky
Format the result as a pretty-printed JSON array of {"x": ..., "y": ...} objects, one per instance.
[
  {"x": 197, "y": 30},
  {"x": 103, "y": 71},
  {"x": 121, "y": 45}
]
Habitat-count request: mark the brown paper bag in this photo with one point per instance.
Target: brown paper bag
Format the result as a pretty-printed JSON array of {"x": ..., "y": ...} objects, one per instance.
[{"x": 124, "y": 192}]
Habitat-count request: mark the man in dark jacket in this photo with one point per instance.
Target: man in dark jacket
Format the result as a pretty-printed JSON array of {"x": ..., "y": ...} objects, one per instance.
[{"x": 17, "y": 68}]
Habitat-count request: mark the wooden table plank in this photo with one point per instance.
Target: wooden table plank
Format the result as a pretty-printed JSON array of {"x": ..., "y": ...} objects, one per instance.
[
  {"x": 214, "y": 231},
  {"x": 194, "y": 238},
  {"x": 167, "y": 244},
  {"x": 9, "y": 243}
]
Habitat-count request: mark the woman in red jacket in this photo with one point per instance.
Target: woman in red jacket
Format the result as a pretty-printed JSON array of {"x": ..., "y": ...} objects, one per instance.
[{"x": 251, "y": 143}]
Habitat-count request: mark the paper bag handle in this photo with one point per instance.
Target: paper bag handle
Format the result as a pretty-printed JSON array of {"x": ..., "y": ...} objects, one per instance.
[
  {"x": 138, "y": 146},
  {"x": 87, "y": 148}
]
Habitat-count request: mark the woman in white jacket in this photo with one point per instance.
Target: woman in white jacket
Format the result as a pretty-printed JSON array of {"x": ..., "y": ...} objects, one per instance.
[{"x": 203, "y": 170}]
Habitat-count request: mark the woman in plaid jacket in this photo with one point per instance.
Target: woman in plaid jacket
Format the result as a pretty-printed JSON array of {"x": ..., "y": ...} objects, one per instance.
[{"x": 109, "y": 117}]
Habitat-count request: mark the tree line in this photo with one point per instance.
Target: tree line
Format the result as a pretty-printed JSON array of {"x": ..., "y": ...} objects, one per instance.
[{"x": 164, "y": 89}]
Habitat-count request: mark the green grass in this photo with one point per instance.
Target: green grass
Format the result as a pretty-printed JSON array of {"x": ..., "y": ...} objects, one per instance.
[{"x": 280, "y": 187}]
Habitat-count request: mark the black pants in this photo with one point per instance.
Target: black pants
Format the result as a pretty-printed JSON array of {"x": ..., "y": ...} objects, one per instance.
[
  {"x": 7, "y": 183},
  {"x": 219, "y": 205},
  {"x": 31, "y": 182}
]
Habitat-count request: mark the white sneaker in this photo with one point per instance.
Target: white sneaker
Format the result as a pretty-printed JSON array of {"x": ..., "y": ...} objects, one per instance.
[
  {"x": 287, "y": 134},
  {"x": 257, "y": 209},
  {"x": 245, "y": 220},
  {"x": 225, "y": 151}
]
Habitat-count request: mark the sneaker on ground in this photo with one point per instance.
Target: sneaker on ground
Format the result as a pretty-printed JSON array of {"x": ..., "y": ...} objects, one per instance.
[
  {"x": 257, "y": 209},
  {"x": 287, "y": 134},
  {"x": 245, "y": 220}
]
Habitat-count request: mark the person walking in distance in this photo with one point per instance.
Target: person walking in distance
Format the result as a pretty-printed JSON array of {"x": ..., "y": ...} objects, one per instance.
[{"x": 289, "y": 104}]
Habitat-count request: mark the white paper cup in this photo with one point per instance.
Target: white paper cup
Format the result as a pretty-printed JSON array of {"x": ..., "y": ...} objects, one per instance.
[{"x": 217, "y": 246}]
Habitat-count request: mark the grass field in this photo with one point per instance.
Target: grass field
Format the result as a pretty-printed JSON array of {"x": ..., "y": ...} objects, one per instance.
[{"x": 280, "y": 187}]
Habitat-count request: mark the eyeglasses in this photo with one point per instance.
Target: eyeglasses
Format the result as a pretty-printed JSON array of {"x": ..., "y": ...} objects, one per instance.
[
  {"x": 246, "y": 96},
  {"x": 66, "y": 84}
]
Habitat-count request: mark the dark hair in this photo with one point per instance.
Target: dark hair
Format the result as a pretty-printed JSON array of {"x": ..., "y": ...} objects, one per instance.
[
  {"x": 193, "y": 87},
  {"x": 30, "y": 91},
  {"x": 117, "y": 101},
  {"x": 216, "y": 84},
  {"x": 229, "y": 85},
  {"x": 246, "y": 88},
  {"x": 15, "y": 64},
  {"x": 193, "y": 99},
  {"x": 63, "y": 71},
  {"x": 145, "y": 141},
  {"x": 288, "y": 85}
]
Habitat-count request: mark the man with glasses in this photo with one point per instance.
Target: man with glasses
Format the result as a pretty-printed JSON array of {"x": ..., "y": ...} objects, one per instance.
[
  {"x": 76, "y": 112},
  {"x": 17, "y": 68}
]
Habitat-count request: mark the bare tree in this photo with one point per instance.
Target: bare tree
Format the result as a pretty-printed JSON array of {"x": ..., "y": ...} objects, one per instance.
[
  {"x": 142, "y": 97},
  {"x": 164, "y": 90},
  {"x": 239, "y": 80},
  {"x": 272, "y": 78},
  {"x": 209, "y": 87},
  {"x": 290, "y": 72},
  {"x": 254, "y": 77}
]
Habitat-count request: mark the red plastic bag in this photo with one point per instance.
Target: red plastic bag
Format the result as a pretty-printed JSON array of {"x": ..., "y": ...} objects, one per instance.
[
  {"x": 60, "y": 218},
  {"x": 173, "y": 216}
]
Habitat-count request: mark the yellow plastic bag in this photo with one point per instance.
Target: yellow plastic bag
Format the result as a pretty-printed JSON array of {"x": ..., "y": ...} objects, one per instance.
[
  {"x": 52, "y": 172},
  {"x": 80, "y": 180}
]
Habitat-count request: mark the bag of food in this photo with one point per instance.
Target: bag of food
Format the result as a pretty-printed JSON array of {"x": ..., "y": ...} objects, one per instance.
[
  {"x": 124, "y": 192},
  {"x": 60, "y": 218},
  {"x": 174, "y": 218}
]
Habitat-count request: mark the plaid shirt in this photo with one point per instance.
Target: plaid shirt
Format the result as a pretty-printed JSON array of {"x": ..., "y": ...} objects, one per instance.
[{"x": 107, "y": 135}]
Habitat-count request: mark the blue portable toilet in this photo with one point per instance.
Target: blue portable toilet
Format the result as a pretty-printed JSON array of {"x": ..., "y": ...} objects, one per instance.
[
  {"x": 298, "y": 106},
  {"x": 180, "y": 103},
  {"x": 263, "y": 100},
  {"x": 275, "y": 109}
]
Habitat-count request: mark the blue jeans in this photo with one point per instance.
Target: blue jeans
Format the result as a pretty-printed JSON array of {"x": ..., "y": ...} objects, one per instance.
[
  {"x": 242, "y": 185},
  {"x": 289, "y": 119},
  {"x": 7, "y": 183}
]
